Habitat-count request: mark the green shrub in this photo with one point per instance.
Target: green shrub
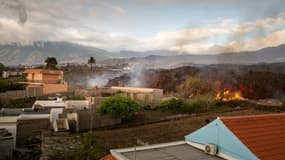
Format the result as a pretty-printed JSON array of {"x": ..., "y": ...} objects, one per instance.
[
  {"x": 119, "y": 107},
  {"x": 6, "y": 85},
  {"x": 180, "y": 106}
]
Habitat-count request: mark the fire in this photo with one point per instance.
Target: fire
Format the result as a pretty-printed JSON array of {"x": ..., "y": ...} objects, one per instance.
[{"x": 227, "y": 95}]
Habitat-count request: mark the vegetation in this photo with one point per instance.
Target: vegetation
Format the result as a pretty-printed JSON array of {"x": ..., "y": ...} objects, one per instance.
[
  {"x": 6, "y": 85},
  {"x": 119, "y": 107},
  {"x": 51, "y": 63},
  {"x": 18, "y": 103},
  {"x": 193, "y": 87},
  {"x": 2, "y": 67},
  {"x": 89, "y": 149},
  {"x": 91, "y": 61},
  {"x": 199, "y": 104}
]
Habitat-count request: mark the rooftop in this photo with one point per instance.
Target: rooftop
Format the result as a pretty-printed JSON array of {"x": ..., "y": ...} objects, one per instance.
[
  {"x": 168, "y": 151},
  {"x": 264, "y": 135},
  {"x": 136, "y": 89},
  {"x": 44, "y": 71},
  {"x": 50, "y": 103}
]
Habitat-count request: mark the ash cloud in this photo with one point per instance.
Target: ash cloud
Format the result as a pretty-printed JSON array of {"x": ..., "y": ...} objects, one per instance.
[{"x": 18, "y": 7}]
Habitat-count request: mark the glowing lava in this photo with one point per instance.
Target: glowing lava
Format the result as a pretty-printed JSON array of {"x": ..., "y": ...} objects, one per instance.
[{"x": 227, "y": 95}]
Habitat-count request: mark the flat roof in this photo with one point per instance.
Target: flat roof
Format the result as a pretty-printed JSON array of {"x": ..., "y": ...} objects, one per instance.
[
  {"x": 50, "y": 103},
  {"x": 44, "y": 71},
  {"x": 136, "y": 89},
  {"x": 179, "y": 151}
]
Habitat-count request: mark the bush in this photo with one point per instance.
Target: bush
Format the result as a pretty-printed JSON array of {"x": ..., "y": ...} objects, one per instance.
[
  {"x": 6, "y": 85},
  {"x": 119, "y": 107},
  {"x": 179, "y": 106}
]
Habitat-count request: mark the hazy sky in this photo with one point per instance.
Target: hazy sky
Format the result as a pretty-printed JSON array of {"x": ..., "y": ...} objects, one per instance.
[{"x": 196, "y": 26}]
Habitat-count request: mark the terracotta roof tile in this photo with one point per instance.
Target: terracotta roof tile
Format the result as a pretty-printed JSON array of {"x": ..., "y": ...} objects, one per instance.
[
  {"x": 108, "y": 157},
  {"x": 264, "y": 135}
]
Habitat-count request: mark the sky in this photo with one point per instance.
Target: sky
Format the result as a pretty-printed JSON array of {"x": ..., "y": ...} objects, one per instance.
[{"x": 185, "y": 26}]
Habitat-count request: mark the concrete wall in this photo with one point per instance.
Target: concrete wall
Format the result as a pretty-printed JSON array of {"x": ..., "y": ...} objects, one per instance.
[
  {"x": 6, "y": 148},
  {"x": 12, "y": 94},
  {"x": 87, "y": 119},
  {"x": 34, "y": 77},
  {"x": 31, "y": 91},
  {"x": 34, "y": 91},
  {"x": 30, "y": 128},
  {"x": 51, "y": 78},
  {"x": 55, "y": 88}
]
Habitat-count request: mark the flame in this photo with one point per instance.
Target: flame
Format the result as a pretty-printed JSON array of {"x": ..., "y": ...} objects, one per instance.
[{"x": 227, "y": 95}]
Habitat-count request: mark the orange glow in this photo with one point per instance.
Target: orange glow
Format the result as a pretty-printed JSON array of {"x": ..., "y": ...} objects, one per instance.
[{"x": 227, "y": 95}]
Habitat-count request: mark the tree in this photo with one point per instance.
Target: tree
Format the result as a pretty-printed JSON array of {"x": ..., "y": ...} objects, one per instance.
[
  {"x": 91, "y": 61},
  {"x": 119, "y": 107},
  {"x": 2, "y": 67},
  {"x": 51, "y": 63}
]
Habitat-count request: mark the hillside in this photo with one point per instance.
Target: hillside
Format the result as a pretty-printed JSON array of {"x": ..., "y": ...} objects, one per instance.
[
  {"x": 164, "y": 59},
  {"x": 13, "y": 54}
]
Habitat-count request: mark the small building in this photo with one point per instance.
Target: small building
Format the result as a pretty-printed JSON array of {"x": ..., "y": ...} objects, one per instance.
[
  {"x": 146, "y": 96},
  {"x": 244, "y": 137},
  {"x": 44, "y": 76},
  {"x": 43, "y": 81},
  {"x": 239, "y": 137}
]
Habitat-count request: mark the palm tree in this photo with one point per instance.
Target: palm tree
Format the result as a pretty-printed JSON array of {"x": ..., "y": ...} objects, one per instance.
[
  {"x": 51, "y": 63},
  {"x": 91, "y": 61}
]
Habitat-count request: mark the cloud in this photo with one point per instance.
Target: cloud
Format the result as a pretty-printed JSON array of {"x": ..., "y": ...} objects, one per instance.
[
  {"x": 85, "y": 22},
  {"x": 17, "y": 6}
]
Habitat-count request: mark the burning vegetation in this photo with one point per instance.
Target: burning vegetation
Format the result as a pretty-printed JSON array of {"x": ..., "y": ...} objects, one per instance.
[{"x": 227, "y": 95}]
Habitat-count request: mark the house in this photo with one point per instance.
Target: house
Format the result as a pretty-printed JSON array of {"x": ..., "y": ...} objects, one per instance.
[
  {"x": 7, "y": 74},
  {"x": 43, "y": 81},
  {"x": 146, "y": 96},
  {"x": 239, "y": 137},
  {"x": 44, "y": 76}
]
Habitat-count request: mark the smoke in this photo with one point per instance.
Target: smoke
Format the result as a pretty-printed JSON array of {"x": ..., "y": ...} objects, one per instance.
[
  {"x": 98, "y": 80},
  {"x": 136, "y": 71},
  {"x": 18, "y": 7}
]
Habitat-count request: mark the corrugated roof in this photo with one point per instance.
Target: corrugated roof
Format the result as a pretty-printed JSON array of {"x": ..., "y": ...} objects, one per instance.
[
  {"x": 108, "y": 157},
  {"x": 264, "y": 135}
]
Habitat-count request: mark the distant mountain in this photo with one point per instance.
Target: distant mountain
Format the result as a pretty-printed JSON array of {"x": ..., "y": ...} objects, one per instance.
[
  {"x": 66, "y": 52},
  {"x": 13, "y": 54},
  {"x": 135, "y": 54},
  {"x": 266, "y": 55}
]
